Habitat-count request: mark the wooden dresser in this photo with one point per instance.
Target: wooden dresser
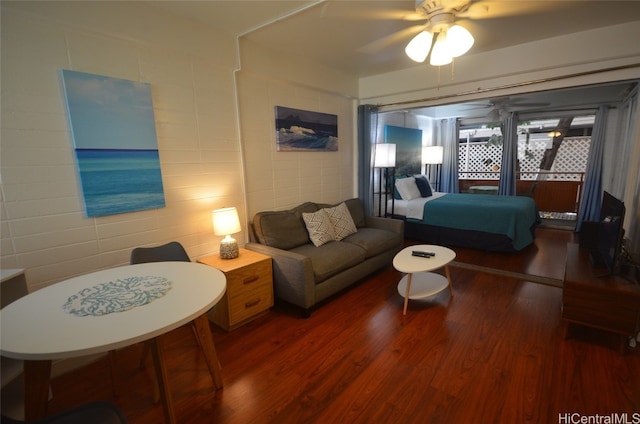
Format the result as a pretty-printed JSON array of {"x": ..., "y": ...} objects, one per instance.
[
  {"x": 610, "y": 302},
  {"x": 249, "y": 288}
]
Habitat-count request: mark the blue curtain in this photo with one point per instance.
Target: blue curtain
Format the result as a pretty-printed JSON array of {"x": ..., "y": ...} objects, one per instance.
[
  {"x": 507, "y": 185},
  {"x": 592, "y": 188},
  {"x": 367, "y": 129},
  {"x": 448, "y": 135}
]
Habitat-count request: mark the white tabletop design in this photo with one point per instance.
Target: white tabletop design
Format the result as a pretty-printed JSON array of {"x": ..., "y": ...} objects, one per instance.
[{"x": 37, "y": 327}]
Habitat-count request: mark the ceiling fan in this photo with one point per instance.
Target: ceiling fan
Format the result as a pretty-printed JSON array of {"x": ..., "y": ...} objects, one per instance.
[
  {"x": 432, "y": 21},
  {"x": 451, "y": 40},
  {"x": 500, "y": 107}
]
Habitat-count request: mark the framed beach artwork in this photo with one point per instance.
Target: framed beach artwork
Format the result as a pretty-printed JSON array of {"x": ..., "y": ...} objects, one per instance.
[
  {"x": 113, "y": 129},
  {"x": 306, "y": 131}
]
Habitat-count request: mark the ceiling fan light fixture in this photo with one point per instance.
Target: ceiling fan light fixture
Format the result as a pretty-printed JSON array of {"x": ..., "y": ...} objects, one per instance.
[
  {"x": 459, "y": 40},
  {"x": 444, "y": 39},
  {"x": 418, "y": 47},
  {"x": 441, "y": 54}
]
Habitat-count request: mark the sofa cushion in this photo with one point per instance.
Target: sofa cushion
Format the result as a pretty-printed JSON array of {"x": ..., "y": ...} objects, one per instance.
[
  {"x": 331, "y": 258},
  {"x": 306, "y": 207},
  {"x": 357, "y": 211},
  {"x": 319, "y": 226},
  {"x": 341, "y": 221},
  {"x": 374, "y": 240},
  {"x": 283, "y": 230}
]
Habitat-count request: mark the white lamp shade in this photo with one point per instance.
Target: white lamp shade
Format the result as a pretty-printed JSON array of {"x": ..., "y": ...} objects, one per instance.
[
  {"x": 385, "y": 155},
  {"x": 440, "y": 54},
  {"x": 459, "y": 40},
  {"x": 418, "y": 47},
  {"x": 225, "y": 221},
  {"x": 432, "y": 155}
]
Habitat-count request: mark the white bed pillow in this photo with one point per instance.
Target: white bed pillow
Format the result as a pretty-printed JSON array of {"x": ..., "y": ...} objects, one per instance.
[{"x": 407, "y": 188}]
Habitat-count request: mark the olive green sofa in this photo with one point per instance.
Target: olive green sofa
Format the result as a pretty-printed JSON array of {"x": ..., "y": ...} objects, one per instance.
[{"x": 304, "y": 274}]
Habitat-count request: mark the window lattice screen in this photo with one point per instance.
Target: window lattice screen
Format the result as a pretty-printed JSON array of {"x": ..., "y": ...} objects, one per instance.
[
  {"x": 572, "y": 157},
  {"x": 476, "y": 160},
  {"x": 472, "y": 158}
]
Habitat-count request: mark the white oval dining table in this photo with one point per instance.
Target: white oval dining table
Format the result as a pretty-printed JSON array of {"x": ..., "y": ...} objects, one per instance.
[{"x": 39, "y": 328}]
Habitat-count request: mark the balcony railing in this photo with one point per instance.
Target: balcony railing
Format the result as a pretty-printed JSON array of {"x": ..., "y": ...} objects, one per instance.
[{"x": 554, "y": 192}]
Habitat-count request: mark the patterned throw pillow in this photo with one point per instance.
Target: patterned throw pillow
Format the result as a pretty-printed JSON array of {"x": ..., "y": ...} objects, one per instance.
[
  {"x": 341, "y": 221},
  {"x": 319, "y": 227}
]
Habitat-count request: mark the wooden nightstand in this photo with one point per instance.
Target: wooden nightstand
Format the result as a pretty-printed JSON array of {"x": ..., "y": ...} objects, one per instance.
[{"x": 249, "y": 288}]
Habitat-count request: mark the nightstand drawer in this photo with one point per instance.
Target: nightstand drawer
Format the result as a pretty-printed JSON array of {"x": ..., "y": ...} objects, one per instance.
[
  {"x": 243, "y": 281},
  {"x": 250, "y": 303}
]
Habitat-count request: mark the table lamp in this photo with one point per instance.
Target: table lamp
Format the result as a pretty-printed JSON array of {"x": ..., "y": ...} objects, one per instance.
[{"x": 225, "y": 223}]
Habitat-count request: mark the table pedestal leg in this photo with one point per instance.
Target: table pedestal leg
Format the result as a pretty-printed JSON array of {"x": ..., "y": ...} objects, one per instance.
[
  {"x": 446, "y": 271},
  {"x": 406, "y": 294},
  {"x": 157, "y": 351},
  {"x": 201, "y": 325},
  {"x": 37, "y": 378}
]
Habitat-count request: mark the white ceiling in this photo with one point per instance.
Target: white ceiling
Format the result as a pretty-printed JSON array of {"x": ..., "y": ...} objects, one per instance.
[{"x": 367, "y": 37}]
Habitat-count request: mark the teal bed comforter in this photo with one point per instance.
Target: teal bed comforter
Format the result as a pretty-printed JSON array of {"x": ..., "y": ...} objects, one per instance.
[{"x": 512, "y": 216}]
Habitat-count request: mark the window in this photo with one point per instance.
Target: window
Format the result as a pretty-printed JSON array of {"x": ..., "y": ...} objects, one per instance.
[
  {"x": 552, "y": 158},
  {"x": 480, "y": 150}
]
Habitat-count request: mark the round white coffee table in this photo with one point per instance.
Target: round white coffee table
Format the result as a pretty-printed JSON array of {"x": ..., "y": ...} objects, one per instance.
[{"x": 419, "y": 283}]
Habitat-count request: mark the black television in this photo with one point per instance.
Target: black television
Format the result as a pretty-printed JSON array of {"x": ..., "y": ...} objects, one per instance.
[{"x": 610, "y": 233}]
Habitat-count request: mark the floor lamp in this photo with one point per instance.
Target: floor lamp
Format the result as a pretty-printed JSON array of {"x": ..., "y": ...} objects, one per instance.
[
  {"x": 433, "y": 155},
  {"x": 384, "y": 158}
]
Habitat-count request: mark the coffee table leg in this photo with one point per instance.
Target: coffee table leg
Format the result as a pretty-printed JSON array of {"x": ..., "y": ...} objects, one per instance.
[
  {"x": 406, "y": 294},
  {"x": 37, "y": 376},
  {"x": 446, "y": 271},
  {"x": 208, "y": 349}
]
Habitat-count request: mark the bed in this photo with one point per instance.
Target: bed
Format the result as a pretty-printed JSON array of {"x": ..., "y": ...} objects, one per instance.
[{"x": 479, "y": 221}]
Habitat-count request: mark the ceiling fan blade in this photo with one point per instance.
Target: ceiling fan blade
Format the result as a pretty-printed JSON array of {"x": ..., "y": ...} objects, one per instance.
[
  {"x": 391, "y": 39},
  {"x": 477, "y": 105},
  {"x": 539, "y": 104},
  {"x": 370, "y": 11},
  {"x": 492, "y": 9}
]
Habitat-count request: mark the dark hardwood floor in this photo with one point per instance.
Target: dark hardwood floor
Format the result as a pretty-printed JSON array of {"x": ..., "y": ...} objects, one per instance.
[{"x": 494, "y": 353}]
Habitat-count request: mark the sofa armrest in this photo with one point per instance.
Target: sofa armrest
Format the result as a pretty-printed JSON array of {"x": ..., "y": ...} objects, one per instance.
[
  {"x": 393, "y": 225},
  {"x": 293, "y": 277}
]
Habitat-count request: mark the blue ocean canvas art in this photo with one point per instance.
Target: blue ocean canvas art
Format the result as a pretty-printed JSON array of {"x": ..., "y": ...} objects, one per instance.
[
  {"x": 303, "y": 130},
  {"x": 408, "y": 143},
  {"x": 113, "y": 129}
]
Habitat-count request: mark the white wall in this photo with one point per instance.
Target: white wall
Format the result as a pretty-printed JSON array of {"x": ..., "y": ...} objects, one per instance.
[
  {"x": 280, "y": 180},
  {"x": 191, "y": 70}
]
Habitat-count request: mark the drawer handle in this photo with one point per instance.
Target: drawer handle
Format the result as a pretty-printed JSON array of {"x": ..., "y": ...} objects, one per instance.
[
  {"x": 252, "y": 303},
  {"x": 250, "y": 279}
]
